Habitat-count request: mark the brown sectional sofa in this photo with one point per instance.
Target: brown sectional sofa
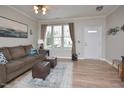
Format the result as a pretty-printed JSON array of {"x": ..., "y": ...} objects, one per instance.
[{"x": 18, "y": 62}]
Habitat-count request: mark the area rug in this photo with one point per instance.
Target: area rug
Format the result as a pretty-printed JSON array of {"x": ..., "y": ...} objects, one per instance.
[{"x": 59, "y": 77}]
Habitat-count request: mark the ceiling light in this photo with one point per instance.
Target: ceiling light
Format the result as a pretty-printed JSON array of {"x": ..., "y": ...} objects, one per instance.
[
  {"x": 36, "y": 12},
  {"x": 35, "y": 7},
  {"x": 44, "y": 9},
  {"x": 40, "y": 9},
  {"x": 43, "y": 12}
]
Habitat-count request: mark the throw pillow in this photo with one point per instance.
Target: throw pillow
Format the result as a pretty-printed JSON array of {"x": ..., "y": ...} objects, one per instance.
[
  {"x": 32, "y": 52},
  {"x": 3, "y": 59}
]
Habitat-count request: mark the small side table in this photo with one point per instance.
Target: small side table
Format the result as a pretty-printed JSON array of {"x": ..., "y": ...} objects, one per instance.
[{"x": 44, "y": 51}]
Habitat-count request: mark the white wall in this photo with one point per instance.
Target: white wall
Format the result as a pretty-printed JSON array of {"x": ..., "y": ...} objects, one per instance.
[
  {"x": 112, "y": 46},
  {"x": 115, "y": 44},
  {"x": 80, "y": 24},
  {"x": 5, "y": 11}
]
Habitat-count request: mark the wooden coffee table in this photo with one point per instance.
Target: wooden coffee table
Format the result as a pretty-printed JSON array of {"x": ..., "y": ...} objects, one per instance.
[{"x": 52, "y": 60}]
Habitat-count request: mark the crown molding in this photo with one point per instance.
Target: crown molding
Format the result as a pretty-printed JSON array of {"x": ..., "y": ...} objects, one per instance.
[
  {"x": 114, "y": 9},
  {"x": 17, "y": 10},
  {"x": 69, "y": 19}
]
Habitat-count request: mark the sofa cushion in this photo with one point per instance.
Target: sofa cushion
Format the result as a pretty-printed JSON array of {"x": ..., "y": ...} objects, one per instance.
[
  {"x": 17, "y": 52},
  {"x": 14, "y": 65},
  {"x": 28, "y": 48},
  {"x": 6, "y": 53},
  {"x": 29, "y": 59},
  {"x": 33, "y": 52}
]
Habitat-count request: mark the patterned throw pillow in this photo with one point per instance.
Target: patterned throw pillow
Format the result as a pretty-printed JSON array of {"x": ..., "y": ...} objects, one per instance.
[
  {"x": 2, "y": 59},
  {"x": 33, "y": 52}
]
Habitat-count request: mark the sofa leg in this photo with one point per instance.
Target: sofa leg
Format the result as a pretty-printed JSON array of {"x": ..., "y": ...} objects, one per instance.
[{"x": 2, "y": 85}]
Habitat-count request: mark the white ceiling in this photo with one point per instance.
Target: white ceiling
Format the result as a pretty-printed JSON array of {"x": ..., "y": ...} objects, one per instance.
[{"x": 65, "y": 11}]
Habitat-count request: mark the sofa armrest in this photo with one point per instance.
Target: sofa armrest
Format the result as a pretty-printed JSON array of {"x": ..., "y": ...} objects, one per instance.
[{"x": 2, "y": 73}]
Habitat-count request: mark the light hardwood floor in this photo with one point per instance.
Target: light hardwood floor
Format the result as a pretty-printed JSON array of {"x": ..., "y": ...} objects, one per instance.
[{"x": 89, "y": 73}]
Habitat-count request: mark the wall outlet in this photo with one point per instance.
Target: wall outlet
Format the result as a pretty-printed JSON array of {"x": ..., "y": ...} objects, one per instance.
[
  {"x": 78, "y": 53},
  {"x": 78, "y": 41}
]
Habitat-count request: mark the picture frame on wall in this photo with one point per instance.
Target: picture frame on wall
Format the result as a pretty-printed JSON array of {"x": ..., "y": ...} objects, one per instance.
[{"x": 13, "y": 29}]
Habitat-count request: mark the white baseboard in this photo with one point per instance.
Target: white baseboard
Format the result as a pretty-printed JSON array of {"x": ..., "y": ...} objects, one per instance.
[
  {"x": 64, "y": 57},
  {"x": 109, "y": 62}
]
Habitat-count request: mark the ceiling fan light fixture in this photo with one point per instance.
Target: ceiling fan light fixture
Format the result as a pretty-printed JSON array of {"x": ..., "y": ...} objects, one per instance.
[
  {"x": 36, "y": 12},
  {"x": 40, "y": 9},
  {"x": 35, "y": 7},
  {"x": 43, "y": 12},
  {"x": 44, "y": 9}
]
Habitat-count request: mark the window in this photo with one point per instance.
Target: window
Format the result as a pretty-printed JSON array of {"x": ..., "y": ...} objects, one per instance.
[
  {"x": 49, "y": 37},
  {"x": 58, "y": 36}
]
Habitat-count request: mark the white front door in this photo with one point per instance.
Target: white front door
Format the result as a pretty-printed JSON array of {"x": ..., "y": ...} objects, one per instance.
[{"x": 92, "y": 42}]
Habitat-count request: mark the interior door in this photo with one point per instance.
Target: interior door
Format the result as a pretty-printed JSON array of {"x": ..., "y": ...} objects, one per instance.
[{"x": 92, "y": 42}]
